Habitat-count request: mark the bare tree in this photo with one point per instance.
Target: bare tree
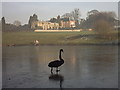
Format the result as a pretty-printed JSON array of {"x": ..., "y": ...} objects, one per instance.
[
  {"x": 32, "y": 19},
  {"x": 92, "y": 12},
  {"x": 3, "y": 23},
  {"x": 103, "y": 29},
  {"x": 94, "y": 16},
  {"x": 17, "y": 23},
  {"x": 67, "y": 15},
  {"x": 74, "y": 15}
]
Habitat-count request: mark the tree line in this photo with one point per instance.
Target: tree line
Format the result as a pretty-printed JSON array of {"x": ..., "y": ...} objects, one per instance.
[{"x": 96, "y": 20}]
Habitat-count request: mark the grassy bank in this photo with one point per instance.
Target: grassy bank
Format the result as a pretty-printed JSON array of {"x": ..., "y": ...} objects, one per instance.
[{"x": 54, "y": 38}]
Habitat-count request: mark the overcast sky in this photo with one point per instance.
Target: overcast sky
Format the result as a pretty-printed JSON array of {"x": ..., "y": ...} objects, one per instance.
[{"x": 45, "y": 10}]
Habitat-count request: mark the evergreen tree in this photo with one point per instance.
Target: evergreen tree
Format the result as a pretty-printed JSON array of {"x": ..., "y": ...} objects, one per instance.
[
  {"x": 3, "y": 23},
  {"x": 32, "y": 19}
]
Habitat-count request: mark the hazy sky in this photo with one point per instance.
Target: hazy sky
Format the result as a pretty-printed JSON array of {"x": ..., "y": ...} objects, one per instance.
[{"x": 45, "y": 10}]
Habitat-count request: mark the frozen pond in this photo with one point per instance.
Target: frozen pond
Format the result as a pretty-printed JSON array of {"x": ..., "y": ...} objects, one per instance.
[{"x": 84, "y": 67}]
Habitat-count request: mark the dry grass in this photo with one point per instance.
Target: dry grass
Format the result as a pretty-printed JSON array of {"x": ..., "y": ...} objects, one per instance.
[{"x": 61, "y": 38}]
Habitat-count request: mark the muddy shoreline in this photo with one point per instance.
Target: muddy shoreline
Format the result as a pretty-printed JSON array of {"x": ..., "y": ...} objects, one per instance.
[{"x": 13, "y": 45}]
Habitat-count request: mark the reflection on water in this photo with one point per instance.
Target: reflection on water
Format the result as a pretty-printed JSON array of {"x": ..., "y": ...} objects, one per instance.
[
  {"x": 57, "y": 78},
  {"x": 84, "y": 67}
]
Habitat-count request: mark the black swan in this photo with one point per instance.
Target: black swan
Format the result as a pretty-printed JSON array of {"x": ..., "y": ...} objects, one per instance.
[{"x": 56, "y": 63}]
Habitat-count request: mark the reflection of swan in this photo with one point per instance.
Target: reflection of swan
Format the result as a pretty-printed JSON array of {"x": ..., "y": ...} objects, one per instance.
[
  {"x": 57, "y": 77},
  {"x": 56, "y": 63}
]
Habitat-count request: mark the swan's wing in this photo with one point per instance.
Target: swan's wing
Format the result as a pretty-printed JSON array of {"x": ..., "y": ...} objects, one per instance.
[{"x": 53, "y": 63}]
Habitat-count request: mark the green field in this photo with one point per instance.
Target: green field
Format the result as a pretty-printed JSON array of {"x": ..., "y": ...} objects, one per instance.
[{"x": 53, "y": 38}]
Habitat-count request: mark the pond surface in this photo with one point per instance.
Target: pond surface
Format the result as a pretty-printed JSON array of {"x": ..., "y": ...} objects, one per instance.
[{"x": 84, "y": 67}]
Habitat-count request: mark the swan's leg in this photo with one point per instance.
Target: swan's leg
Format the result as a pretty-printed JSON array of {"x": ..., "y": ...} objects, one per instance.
[
  {"x": 51, "y": 69},
  {"x": 57, "y": 69}
]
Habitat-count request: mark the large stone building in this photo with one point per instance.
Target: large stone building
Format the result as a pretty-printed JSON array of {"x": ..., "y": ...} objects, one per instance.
[
  {"x": 54, "y": 23},
  {"x": 44, "y": 25},
  {"x": 67, "y": 24}
]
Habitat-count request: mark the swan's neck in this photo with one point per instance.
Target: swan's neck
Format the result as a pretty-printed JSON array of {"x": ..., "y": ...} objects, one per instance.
[{"x": 60, "y": 56}]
